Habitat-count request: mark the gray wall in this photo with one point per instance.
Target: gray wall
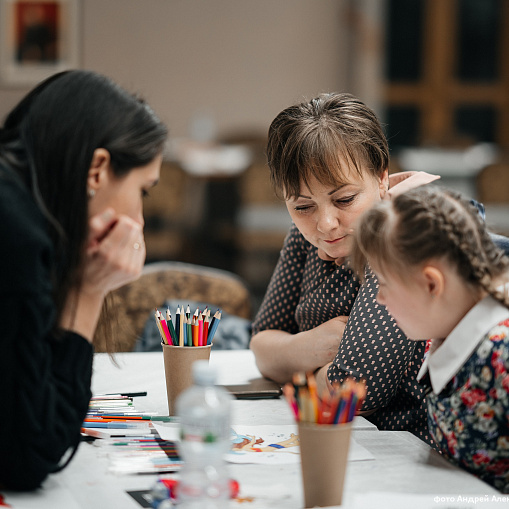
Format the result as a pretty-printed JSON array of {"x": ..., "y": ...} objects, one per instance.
[{"x": 238, "y": 61}]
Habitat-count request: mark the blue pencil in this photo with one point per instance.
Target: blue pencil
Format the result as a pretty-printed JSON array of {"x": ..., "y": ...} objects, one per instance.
[
  {"x": 213, "y": 326},
  {"x": 112, "y": 425}
]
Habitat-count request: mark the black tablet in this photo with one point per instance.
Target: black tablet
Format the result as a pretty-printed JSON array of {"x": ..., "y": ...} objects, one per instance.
[{"x": 257, "y": 388}]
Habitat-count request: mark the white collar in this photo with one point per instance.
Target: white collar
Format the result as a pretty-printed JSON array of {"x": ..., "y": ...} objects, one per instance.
[{"x": 448, "y": 359}]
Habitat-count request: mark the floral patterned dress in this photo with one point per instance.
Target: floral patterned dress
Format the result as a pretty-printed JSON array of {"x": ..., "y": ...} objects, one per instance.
[{"x": 469, "y": 417}]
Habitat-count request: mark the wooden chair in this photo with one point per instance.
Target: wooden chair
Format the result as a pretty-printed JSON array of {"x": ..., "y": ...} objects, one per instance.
[{"x": 134, "y": 303}]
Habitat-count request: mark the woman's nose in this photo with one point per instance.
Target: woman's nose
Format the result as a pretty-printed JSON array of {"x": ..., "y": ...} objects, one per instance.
[
  {"x": 326, "y": 222},
  {"x": 140, "y": 219}
]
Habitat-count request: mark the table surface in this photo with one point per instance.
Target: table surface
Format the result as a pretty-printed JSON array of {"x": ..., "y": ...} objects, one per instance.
[{"x": 405, "y": 470}]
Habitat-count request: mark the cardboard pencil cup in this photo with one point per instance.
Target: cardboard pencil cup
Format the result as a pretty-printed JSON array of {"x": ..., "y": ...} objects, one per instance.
[
  {"x": 324, "y": 456},
  {"x": 177, "y": 369}
]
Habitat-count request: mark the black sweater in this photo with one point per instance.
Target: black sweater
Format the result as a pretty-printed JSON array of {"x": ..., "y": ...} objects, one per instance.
[{"x": 44, "y": 380}]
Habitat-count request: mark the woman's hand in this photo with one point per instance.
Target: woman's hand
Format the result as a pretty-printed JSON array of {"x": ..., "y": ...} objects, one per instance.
[
  {"x": 325, "y": 340},
  {"x": 115, "y": 253},
  {"x": 114, "y": 256},
  {"x": 280, "y": 354},
  {"x": 406, "y": 180}
]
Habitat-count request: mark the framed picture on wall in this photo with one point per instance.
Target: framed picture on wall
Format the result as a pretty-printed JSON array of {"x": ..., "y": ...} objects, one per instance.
[{"x": 37, "y": 39}]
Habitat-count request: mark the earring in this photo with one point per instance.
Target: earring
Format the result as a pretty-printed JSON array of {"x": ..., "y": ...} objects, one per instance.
[{"x": 91, "y": 193}]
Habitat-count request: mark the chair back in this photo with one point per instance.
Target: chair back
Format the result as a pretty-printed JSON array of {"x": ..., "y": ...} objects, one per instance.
[{"x": 128, "y": 308}]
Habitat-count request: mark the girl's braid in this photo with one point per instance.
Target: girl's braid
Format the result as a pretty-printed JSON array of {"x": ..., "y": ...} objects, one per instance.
[{"x": 461, "y": 235}]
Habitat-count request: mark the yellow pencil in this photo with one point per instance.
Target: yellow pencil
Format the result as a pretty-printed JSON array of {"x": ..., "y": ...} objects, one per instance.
[{"x": 159, "y": 326}]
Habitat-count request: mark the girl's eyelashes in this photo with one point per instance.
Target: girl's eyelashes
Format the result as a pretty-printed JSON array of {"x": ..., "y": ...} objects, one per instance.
[{"x": 144, "y": 193}]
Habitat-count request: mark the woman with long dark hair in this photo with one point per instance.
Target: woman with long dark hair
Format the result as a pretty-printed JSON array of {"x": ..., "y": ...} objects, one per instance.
[{"x": 77, "y": 154}]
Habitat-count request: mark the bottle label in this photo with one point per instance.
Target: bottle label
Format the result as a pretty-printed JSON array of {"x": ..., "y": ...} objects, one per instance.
[{"x": 206, "y": 436}]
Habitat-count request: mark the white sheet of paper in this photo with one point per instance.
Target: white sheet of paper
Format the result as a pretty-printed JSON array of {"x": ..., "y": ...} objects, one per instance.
[
  {"x": 282, "y": 435},
  {"x": 261, "y": 437}
]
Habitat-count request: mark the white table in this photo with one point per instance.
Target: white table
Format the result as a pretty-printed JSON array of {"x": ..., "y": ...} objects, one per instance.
[{"x": 404, "y": 466}]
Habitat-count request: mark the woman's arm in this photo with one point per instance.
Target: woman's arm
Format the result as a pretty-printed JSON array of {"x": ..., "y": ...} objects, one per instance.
[
  {"x": 280, "y": 349},
  {"x": 45, "y": 381},
  {"x": 110, "y": 262},
  {"x": 280, "y": 354}
]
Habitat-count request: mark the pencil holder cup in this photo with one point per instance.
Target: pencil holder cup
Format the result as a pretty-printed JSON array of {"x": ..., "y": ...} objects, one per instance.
[
  {"x": 177, "y": 369},
  {"x": 324, "y": 456}
]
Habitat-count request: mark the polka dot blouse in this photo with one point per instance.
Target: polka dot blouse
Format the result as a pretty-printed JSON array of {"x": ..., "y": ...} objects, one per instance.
[{"x": 306, "y": 291}]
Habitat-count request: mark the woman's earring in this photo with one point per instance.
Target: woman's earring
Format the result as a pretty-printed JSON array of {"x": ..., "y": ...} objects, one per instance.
[{"x": 91, "y": 193}]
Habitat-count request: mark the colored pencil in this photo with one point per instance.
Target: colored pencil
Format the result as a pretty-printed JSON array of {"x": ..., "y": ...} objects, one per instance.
[
  {"x": 213, "y": 326},
  {"x": 181, "y": 336},
  {"x": 200, "y": 331},
  {"x": 206, "y": 323},
  {"x": 185, "y": 331},
  {"x": 166, "y": 331},
  {"x": 110, "y": 417},
  {"x": 109, "y": 425},
  {"x": 160, "y": 327},
  {"x": 338, "y": 406},
  {"x": 124, "y": 394},
  {"x": 189, "y": 330},
  {"x": 195, "y": 332},
  {"x": 169, "y": 321}
]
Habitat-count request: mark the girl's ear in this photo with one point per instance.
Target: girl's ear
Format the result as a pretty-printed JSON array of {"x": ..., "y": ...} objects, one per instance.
[
  {"x": 99, "y": 171},
  {"x": 434, "y": 280},
  {"x": 384, "y": 184}
]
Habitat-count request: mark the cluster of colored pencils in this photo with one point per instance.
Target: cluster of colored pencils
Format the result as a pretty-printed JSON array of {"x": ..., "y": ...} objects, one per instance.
[
  {"x": 189, "y": 330},
  {"x": 138, "y": 449},
  {"x": 338, "y": 406},
  {"x": 116, "y": 411}
]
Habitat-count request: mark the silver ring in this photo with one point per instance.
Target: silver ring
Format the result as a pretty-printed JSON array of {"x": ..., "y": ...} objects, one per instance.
[{"x": 137, "y": 246}]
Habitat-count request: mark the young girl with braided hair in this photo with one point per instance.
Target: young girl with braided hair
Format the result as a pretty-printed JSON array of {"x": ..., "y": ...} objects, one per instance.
[{"x": 441, "y": 276}]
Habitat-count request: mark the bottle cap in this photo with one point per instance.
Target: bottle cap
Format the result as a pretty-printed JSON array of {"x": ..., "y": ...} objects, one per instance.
[{"x": 204, "y": 373}]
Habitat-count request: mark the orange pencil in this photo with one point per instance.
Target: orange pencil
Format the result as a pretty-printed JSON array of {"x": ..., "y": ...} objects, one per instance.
[
  {"x": 313, "y": 396},
  {"x": 324, "y": 408},
  {"x": 289, "y": 394}
]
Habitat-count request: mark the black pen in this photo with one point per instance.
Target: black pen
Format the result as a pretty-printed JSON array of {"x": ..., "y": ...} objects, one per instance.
[{"x": 128, "y": 394}]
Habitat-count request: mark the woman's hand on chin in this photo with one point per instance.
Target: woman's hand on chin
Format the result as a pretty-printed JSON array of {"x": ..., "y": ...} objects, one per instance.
[{"x": 115, "y": 253}]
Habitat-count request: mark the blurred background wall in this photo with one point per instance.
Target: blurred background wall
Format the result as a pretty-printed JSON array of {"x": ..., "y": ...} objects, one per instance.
[
  {"x": 239, "y": 61},
  {"x": 218, "y": 71}
]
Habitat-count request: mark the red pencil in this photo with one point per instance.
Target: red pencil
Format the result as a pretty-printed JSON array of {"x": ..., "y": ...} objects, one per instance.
[{"x": 206, "y": 326}]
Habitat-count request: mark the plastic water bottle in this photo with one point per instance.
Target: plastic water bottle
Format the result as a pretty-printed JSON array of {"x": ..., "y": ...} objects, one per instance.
[{"x": 204, "y": 411}]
